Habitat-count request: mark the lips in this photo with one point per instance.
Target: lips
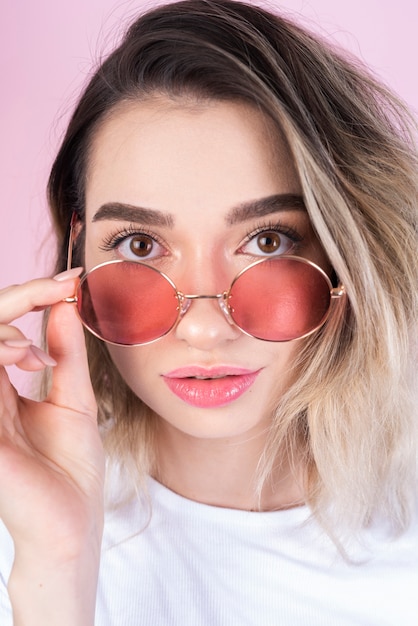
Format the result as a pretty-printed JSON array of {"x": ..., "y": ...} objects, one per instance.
[{"x": 209, "y": 387}]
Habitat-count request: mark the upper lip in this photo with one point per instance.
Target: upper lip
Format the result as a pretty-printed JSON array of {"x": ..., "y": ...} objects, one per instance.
[{"x": 209, "y": 372}]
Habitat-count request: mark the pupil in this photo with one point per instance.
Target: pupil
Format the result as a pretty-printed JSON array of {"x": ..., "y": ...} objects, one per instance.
[
  {"x": 269, "y": 242},
  {"x": 141, "y": 246}
]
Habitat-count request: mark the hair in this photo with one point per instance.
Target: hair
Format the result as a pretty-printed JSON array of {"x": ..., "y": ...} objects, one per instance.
[{"x": 351, "y": 409}]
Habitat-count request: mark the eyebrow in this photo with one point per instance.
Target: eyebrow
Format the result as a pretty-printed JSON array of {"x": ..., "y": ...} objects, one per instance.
[
  {"x": 264, "y": 206},
  {"x": 119, "y": 211}
]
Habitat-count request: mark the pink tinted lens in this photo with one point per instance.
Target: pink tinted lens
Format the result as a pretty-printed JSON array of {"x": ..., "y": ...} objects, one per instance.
[
  {"x": 280, "y": 300},
  {"x": 127, "y": 303}
]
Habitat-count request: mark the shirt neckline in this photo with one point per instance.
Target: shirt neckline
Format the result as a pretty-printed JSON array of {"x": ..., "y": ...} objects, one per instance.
[{"x": 175, "y": 503}]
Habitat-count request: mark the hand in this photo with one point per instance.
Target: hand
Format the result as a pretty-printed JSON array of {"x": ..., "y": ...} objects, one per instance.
[{"x": 51, "y": 456}]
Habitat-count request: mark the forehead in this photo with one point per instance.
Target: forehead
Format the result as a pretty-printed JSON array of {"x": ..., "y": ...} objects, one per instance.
[{"x": 167, "y": 154}]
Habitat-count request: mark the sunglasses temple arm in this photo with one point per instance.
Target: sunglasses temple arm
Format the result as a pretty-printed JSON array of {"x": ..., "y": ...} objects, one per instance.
[
  {"x": 71, "y": 240},
  {"x": 338, "y": 292}
]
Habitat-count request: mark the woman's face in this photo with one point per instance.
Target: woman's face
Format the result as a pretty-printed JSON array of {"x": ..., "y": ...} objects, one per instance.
[{"x": 191, "y": 184}]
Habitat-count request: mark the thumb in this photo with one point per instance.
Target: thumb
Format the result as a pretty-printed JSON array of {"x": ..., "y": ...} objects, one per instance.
[{"x": 71, "y": 385}]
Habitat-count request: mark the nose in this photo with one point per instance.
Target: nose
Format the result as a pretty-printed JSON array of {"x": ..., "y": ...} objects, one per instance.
[{"x": 204, "y": 325}]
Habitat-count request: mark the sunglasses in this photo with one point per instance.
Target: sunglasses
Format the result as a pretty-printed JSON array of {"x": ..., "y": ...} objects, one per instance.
[{"x": 130, "y": 303}]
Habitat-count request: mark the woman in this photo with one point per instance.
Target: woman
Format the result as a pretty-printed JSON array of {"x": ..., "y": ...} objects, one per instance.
[{"x": 243, "y": 201}]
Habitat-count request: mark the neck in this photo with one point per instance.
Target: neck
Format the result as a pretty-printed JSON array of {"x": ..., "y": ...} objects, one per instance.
[{"x": 223, "y": 472}]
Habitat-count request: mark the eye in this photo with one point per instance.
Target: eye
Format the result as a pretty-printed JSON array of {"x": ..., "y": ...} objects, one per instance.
[
  {"x": 133, "y": 245},
  {"x": 140, "y": 246},
  {"x": 271, "y": 242}
]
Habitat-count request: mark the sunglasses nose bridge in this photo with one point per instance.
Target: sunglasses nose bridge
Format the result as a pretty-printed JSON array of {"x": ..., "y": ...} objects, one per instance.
[{"x": 222, "y": 299}]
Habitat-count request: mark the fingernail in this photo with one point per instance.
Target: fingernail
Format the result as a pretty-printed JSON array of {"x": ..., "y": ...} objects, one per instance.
[
  {"x": 43, "y": 357},
  {"x": 18, "y": 343},
  {"x": 73, "y": 273}
]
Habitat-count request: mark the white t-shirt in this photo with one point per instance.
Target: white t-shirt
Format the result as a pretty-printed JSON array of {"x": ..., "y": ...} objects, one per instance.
[{"x": 190, "y": 564}]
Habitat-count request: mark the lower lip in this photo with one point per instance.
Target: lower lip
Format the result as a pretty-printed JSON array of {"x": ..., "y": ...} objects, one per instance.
[{"x": 211, "y": 393}]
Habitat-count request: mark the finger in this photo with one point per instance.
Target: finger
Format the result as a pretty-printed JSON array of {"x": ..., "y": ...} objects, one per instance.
[
  {"x": 71, "y": 385},
  {"x": 35, "y": 359},
  {"x": 16, "y": 349},
  {"x": 17, "y": 300},
  {"x": 13, "y": 345},
  {"x": 14, "y": 352},
  {"x": 24, "y": 355}
]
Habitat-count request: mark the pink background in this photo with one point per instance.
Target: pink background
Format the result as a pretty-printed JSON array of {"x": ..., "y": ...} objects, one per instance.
[{"x": 47, "y": 49}]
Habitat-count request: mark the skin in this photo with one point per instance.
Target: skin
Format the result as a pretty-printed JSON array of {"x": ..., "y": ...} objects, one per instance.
[
  {"x": 196, "y": 163},
  {"x": 51, "y": 466}
]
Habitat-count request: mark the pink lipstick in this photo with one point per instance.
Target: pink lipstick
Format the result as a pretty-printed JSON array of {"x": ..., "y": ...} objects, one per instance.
[{"x": 209, "y": 387}]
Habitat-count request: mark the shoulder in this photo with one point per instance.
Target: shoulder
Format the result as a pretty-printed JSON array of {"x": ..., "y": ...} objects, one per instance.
[
  {"x": 6, "y": 553},
  {"x": 6, "y": 562}
]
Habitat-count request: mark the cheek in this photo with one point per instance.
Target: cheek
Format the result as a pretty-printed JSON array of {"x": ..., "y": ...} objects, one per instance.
[{"x": 135, "y": 365}]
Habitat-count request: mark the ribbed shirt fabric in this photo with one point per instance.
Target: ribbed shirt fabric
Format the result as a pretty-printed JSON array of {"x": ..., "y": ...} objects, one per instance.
[{"x": 189, "y": 564}]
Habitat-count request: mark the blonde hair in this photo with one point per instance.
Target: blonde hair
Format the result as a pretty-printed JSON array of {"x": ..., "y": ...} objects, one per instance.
[
  {"x": 353, "y": 407},
  {"x": 351, "y": 410}
]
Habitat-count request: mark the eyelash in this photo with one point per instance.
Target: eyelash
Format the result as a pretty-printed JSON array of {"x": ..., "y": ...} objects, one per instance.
[
  {"x": 276, "y": 227},
  {"x": 113, "y": 240}
]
